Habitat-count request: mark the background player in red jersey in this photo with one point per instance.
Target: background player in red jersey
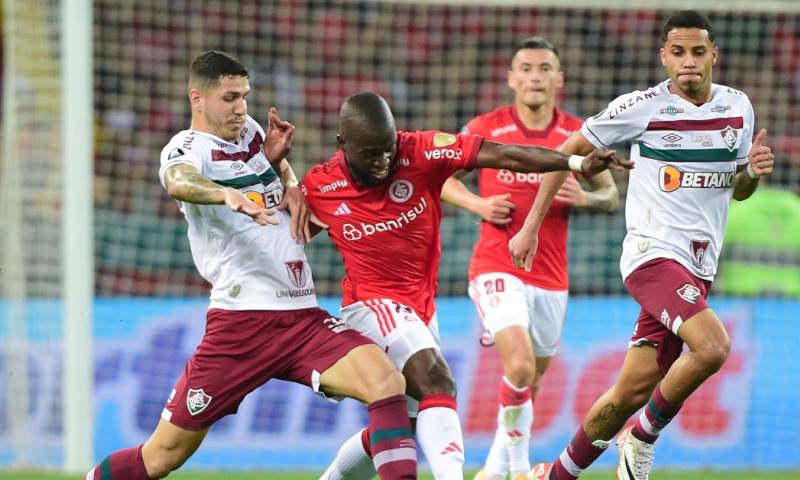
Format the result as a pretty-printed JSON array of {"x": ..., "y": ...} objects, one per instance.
[
  {"x": 263, "y": 320},
  {"x": 523, "y": 311},
  {"x": 379, "y": 198}
]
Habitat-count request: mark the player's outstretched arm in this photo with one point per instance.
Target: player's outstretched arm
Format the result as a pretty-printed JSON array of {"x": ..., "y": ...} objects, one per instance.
[
  {"x": 296, "y": 203},
  {"x": 760, "y": 162},
  {"x": 186, "y": 184},
  {"x": 495, "y": 208},
  {"x": 531, "y": 159},
  {"x": 523, "y": 245},
  {"x": 602, "y": 195}
]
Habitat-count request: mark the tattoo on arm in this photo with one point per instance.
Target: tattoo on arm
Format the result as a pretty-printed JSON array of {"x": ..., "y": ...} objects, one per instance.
[{"x": 185, "y": 183}]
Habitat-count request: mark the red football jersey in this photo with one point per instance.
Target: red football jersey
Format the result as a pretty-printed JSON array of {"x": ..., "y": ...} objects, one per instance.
[
  {"x": 388, "y": 235},
  {"x": 491, "y": 253}
]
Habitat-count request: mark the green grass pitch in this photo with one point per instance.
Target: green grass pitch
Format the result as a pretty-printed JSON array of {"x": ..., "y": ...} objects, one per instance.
[{"x": 283, "y": 475}]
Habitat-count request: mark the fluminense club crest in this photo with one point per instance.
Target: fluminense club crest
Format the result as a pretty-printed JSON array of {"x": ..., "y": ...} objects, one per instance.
[
  {"x": 197, "y": 400},
  {"x": 729, "y": 137},
  {"x": 297, "y": 272},
  {"x": 689, "y": 292}
]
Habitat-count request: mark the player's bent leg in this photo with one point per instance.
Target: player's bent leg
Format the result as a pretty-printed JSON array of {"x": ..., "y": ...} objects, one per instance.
[
  {"x": 165, "y": 451},
  {"x": 366, "y": 373},
  {"x": 639, "y": 375},
  {"x": 429, "y": 380},
  {"x": 169, "y": 447},
  {"x": 709, "y": 345},
  {"x": 509, "y": 450}
]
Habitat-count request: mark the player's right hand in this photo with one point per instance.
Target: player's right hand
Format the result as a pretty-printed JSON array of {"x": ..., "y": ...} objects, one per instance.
[
  {"x": 236, "y": 201},
  {"x": 496, "y": 209},
  {"x": 602, "y": 159},
  {"x": 522, "y": 247}
]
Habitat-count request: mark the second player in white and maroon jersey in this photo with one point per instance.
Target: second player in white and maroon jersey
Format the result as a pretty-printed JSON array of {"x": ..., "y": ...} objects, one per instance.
[
  {"x": 388, "y": 235},
  {"x": 686, "y": 160},
  {"x": 222, "y": 241},
  {"x": 491, "y": 251}
]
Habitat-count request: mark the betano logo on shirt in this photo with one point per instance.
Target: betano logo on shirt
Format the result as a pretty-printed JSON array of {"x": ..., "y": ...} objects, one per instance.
[
  {"x": 357, "y": 232},
  {"x": 671, "y": 178}
]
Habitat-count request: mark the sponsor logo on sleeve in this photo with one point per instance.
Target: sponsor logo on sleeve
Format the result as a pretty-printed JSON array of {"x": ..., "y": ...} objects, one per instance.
[
  {"x": 176, "y": 153},
  {"x": 197, "y": 400},
  {"x": 689, "y": 292},
  {"x": 441, "y": 139}
]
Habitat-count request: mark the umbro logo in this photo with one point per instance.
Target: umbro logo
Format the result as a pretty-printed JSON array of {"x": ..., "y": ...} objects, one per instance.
[{"x": 342, "y": 209}]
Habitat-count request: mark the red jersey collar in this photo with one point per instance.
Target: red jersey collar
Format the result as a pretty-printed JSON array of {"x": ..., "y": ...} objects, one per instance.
[{"x": 535, "y": 133}]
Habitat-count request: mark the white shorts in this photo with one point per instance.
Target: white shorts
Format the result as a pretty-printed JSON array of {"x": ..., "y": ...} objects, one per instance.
[
  {"x": 504, "y": 300},
  {"x": 394, "y": 327}
]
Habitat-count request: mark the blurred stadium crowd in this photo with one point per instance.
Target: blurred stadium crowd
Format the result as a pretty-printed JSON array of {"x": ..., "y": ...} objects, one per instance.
[{"x": 438, "y": 66}]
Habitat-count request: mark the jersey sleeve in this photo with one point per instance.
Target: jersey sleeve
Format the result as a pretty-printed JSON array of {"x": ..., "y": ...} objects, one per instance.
[
  {"x": 624, "y": 119},
  {"x": 748, "y": 129},
  {"x": 443, "y": 154},
  {"x": 174, "y": 154}
]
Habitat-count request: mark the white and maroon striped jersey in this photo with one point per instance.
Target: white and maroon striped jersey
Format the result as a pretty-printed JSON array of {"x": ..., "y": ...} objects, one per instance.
[
  {"x": 686, "y": 158},
  {"x": 249, "y": 266}
]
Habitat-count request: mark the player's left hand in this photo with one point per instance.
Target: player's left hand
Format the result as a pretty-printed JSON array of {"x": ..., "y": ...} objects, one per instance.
[
  {"x": 279, "y": 134},
  {"x": 602, "y": 159},
  {"x": 522, "y": 247},
  {"x": 295, "y": 202},
  {"x": 571, "y": 193},
  {"x": 760, "y": 156}
]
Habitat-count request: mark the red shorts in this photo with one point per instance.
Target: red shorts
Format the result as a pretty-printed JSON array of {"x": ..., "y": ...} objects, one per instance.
[
  {"x": 242, "y": 350},
  {"x": 668, "y": 295}
]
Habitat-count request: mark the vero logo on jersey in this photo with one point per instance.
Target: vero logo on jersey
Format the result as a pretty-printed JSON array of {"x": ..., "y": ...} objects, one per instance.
[
  {"x": 671, "y": 179},
  {"x": 443, "y": 153}
]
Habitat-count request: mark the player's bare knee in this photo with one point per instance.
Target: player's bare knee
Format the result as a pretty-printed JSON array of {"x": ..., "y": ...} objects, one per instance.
[
  {"x": 633, "y": 396},
  {"x": 439, "y": 380},
  {"x": 390, "y": 384},
  {"x": 522, "y": 371},
  {"x": 165, "y": 459},
  {"x": 712, "y": 355}
]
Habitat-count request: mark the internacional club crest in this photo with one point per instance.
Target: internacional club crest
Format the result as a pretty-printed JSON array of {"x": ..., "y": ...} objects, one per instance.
[
  {"x": 400, "y": 191},
  {"x": 197, "y": 400},
  {"x": 297, "y": 273}
]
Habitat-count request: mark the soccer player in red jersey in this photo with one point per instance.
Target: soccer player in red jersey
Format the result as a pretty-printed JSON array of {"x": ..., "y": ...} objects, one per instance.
[
  {"x": 379, "y": 199},
  {"x": 263, "y": 320},
  {"x": 523, "y": 311}
]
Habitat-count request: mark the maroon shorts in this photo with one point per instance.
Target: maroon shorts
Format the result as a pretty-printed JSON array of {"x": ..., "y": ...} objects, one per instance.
[
  {"x": 668, "y": 295},
  {"x": 242, "y": 350}
]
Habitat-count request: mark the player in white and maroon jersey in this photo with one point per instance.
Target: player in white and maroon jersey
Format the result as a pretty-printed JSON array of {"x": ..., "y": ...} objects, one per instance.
[
  {"x": 523, "y": 311},
  {"x": 379, "y": 198},
  {"x": 263, "y": 320},
  {"x": 691, "y": 140}
]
